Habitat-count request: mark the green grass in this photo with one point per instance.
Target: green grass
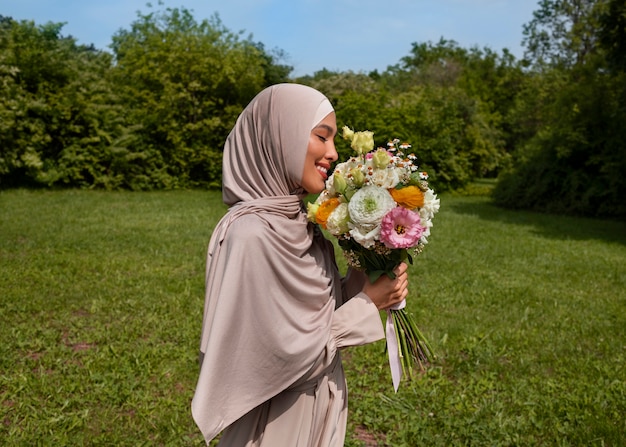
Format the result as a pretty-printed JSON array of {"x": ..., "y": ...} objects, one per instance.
[{"x": 101, "y": 303}]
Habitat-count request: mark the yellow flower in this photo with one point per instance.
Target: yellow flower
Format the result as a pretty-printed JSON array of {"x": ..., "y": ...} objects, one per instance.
[
  {"x": 381, "y": 159},
  {"x": 410, "y": 197},
  {"x": 339, "y": 183},
  {"x": 348, "y": 133},
  {"x": 363, "y": 142},
  {"x": 357, "y": 177},
  {"x": 311, "y": 210},
  {"x": 324, "y": 210}
]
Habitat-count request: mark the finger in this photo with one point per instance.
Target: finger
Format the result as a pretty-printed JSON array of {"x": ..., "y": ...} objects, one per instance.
[
  {"x": 399, "y": 289},
  {"x": 400, "y": 268},
  {"x": 403, "y": 281},
  {"x": 401, "y": 295}
]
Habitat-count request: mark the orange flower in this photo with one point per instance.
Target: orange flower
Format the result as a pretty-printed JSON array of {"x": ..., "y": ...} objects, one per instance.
[
  {"x": 409, "y": 197},
  {"x": 324, "y": 210}
]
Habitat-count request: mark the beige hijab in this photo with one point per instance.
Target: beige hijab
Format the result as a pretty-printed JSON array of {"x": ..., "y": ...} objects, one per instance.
[{"x": 271, "y": 284}]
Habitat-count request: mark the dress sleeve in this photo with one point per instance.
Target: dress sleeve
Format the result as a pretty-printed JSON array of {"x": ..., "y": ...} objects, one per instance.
[
  {"x": 357, "y": 322},
  {"x": 352, "y": 284}
]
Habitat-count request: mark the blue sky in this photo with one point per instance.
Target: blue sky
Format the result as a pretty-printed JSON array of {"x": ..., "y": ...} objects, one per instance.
[{"x": 357, "y": 35}]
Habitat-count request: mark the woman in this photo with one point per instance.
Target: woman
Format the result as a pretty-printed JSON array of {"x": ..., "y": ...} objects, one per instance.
[{"x": 277, "y": 310}]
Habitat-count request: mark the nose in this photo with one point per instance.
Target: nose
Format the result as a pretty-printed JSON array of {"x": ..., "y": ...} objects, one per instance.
[{"x": 331, "y": 153}]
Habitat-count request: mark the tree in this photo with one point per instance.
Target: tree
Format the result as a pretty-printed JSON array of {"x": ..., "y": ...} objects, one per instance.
[
  {"x": 184, "y": 83},
  {"x": 492, "y": 81},
  {"x": 56, "y": 106},
  {"x": 447, "y": 128},
  {"x": 575, "y": 153},
  {"x": 612, "y": 34},
  {"x": 562, "y": 32},
  {"x": 153, "y": 115}
]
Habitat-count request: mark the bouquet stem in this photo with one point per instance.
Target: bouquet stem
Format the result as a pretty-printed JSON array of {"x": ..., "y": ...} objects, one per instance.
[{"x": 413, "y": 349}]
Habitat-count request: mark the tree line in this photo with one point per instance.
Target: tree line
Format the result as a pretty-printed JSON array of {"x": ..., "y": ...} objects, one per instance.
[{"x": 153, "y": 113}]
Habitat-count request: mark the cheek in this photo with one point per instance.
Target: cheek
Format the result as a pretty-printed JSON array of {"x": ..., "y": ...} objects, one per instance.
[
  {"x": 311, "y": 155},
  {"x": 316, "y": 150}
]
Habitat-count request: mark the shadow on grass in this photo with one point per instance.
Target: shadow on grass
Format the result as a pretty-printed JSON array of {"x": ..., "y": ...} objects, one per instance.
[{"x": 547, "y": 225}]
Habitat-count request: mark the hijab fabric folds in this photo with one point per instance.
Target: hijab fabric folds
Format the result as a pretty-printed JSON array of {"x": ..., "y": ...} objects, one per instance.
[{"x": 270, "y": 291}]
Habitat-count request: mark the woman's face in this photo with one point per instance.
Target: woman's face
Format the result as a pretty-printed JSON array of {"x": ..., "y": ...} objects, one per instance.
[{"x": 320, "y": 155}]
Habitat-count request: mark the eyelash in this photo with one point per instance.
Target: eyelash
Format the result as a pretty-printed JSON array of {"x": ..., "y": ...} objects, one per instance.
[{"x": 322, "y": 138}]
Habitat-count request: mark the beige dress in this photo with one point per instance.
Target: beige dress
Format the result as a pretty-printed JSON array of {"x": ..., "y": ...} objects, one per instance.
[
  {"x": 313, "y": 411},
  {"x": 276, "y": 310},
  {"x": 299, "y": 409}
]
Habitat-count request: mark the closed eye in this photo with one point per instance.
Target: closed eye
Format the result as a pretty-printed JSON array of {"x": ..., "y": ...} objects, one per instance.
[
  {"x": 322, "y": 138},
  {"x": 324, "y": 132}
]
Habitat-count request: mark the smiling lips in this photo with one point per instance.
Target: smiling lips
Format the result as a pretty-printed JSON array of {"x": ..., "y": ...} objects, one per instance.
[{"x": 322, "y": 170}]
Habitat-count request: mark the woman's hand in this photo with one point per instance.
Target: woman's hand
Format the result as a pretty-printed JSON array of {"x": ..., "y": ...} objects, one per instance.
[{"x": 386, "y": 292}]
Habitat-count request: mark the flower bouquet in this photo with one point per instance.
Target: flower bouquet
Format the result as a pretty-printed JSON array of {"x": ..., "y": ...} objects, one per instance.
[{"x": 380, "y": 208}]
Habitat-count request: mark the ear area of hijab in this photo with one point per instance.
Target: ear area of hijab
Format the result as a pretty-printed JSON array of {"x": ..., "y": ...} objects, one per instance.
[{"x": 323, "y": 110}]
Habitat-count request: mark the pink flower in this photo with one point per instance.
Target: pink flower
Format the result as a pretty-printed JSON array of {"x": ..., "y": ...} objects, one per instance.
[{"x": 401, "y": 228}]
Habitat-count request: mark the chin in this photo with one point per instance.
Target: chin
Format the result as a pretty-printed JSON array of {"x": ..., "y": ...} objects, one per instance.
[
  {"x": 318, "y": 190},
  {"x": 314, "y": 188}
]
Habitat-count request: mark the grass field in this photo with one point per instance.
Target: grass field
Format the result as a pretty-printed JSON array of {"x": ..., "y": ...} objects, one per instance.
[{"x": 101, "y": 300}]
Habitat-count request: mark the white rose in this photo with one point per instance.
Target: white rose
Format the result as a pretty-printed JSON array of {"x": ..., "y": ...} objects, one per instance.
[
  {"x": 330, "y": 184},
  {"x": 431, "y": 205},
  {"x": 365, "y": 235},
  {"x": 337, "y": 222},
  {"x": 385, "y": 178},
  {"x": 324, "y": 196},
  {"x": 343, "y": 169},
  {"x": 369, "y": 205},
  {"x": 367, "y": 208},
  {"x": 427, "y": 224}
]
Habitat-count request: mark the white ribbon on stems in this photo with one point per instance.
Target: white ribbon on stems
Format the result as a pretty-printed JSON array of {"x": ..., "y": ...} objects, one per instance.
[{"x": 393, "y": 348}]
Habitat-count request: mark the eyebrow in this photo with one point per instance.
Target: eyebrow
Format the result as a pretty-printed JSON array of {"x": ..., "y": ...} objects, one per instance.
[{"x": 327, "y": 127}]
